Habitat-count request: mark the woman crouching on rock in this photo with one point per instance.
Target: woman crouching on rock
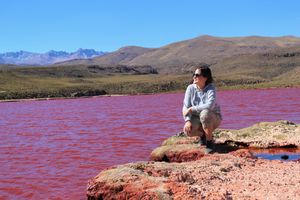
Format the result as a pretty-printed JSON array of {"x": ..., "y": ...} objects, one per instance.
[{"x": 200, "y": 111}]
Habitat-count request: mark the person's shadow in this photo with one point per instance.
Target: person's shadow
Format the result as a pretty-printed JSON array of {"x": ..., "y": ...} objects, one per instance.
[{"x": 224, "y": 148}]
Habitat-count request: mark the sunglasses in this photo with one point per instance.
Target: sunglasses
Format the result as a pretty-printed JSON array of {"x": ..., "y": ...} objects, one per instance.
[{"x": 197, "y": 75}]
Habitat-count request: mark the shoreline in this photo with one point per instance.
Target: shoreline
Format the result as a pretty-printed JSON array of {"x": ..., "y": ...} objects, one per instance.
[
  {"x": 153, "y": 93},
  {"x": 58, "y": 98}
]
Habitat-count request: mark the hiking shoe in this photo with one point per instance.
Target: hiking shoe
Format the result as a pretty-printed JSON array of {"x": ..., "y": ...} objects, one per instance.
[
  {"x": 202, "y": 140},
  {"x": 209, "y": 147},
  {"x": 180, "y": 134},
  {"x": 208, "y": 150},
  {"x": 209, "y": 144}
]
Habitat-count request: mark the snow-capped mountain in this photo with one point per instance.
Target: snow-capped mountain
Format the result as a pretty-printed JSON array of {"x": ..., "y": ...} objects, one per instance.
[{"x": 48, "y": 58}]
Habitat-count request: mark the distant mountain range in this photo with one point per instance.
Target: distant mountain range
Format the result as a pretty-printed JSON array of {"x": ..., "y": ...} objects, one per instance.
[
  {"x": 219, "y": 52},
  {"x": 48, "y": 58}
]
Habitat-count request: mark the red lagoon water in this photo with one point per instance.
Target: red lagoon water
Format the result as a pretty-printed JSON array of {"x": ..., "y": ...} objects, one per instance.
[{"x": 50, "y": 149}]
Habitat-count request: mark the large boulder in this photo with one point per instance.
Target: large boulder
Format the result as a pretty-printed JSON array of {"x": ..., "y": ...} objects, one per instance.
[{"x": 178, "y": 148}]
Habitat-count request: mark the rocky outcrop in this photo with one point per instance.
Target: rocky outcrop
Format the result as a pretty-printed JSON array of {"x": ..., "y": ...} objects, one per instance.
[
  {"x": 262, "y": 135},
  {"x": 180, "y": 148},
  {"x": 89, "y": 93},
  {"x": 121, "y": 69},
  {"x": 189, "y": 173}
]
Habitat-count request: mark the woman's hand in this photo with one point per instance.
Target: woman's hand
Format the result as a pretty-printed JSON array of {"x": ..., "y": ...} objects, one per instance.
[
  {"x": 187, "y": 111},
  {"x": 187, "y": 127}
]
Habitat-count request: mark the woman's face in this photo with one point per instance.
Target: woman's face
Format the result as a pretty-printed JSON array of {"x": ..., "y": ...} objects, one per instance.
[{"x": 198, "y": 78}]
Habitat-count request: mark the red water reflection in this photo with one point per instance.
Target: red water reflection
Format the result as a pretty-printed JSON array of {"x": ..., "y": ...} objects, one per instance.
[{"x": 49, "y": 149}]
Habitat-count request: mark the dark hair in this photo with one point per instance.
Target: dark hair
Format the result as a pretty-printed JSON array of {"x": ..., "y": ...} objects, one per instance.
[{"x": 206, "y": 72}]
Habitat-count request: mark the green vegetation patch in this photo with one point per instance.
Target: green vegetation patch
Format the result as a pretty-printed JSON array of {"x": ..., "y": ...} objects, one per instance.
[{"x": 75, "y": 81}]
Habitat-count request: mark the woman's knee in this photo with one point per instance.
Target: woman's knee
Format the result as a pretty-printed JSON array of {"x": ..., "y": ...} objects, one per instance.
[
  {"x": 205, "y": 115},
  {"x": 209, "y": 119}
]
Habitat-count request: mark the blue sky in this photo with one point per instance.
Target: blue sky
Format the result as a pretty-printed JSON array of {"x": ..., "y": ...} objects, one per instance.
[{"x": 43, "y": 25}]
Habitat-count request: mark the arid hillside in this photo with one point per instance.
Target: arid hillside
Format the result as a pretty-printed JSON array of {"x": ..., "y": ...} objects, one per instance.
[{"x": 176, "y": 56}]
